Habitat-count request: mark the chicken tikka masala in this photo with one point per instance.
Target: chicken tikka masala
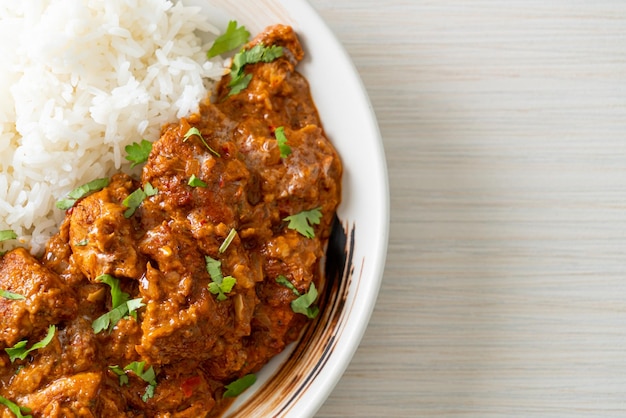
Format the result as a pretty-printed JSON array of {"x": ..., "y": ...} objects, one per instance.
[{"x": 162, "y": 296}]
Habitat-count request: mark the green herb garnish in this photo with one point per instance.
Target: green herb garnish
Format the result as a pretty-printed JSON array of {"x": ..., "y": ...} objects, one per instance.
[
  {"x": 220, "y": 285},
  {"x": 82, "y": 191},
  {"x": 138, "y": 153},
  {"x": 7, "y": 234},
  {"x": 239, "y": 80},
  {"x": 19, "y": 350},
  {"x": 121, "y": 374},
  {"x": 122, "y": 305},
  {"x": 285, "y": 149},
  {"x": 10, "y": 295},
  {"x": 229, "y": 40},
  {"x": 304, "y": 303},
  {"x": 282, "y": 280},
  {"x": 136, "y": 198},
  {"x": 195, "y": 131},
  {"x": 111, "y": 318},
  {"x": 148, "y": 376},
  {"x": 229, "y": 238},
  {"x": 238, "y": 386},
  {"x": 196, "y": 182},
  {"x": 118, "y": 297},
  {"x": 17, "y": 410},
  {"x": 303, "y": 221}
]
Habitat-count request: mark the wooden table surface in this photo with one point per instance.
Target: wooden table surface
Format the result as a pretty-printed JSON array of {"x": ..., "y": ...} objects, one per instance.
[{"x": 504, "y": 126}]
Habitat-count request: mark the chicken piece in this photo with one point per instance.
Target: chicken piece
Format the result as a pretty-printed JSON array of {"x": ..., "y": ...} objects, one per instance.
[
  {"x": 278, "y": 96},
  {"x": 101, "y": 237},
  {"x": 178, "y": 291},
  {"x": 46, "y": 299},
  {"x": 67, "y": 397}
]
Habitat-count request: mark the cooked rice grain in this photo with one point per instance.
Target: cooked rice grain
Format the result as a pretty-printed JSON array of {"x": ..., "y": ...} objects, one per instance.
[{"x": 80, "y": 80}]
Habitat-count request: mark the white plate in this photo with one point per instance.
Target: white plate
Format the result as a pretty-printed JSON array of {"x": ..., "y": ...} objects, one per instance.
[{"x": 296, "y": 383}]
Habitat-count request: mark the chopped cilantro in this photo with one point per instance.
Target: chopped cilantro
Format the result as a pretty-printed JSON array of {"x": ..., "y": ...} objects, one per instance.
[
  {"x": 282, "y": 280},
  {"x": 7, "y": 234},
  {"x": 148, "y": 376},
  {"x": 111, "y": 318},
  {"x": 82, "y": 243},
  {"x": 10, "y": 295},
  {"x": 304, "y": 303},
  {"x": 229, "y": 40},
  {"x": 238, "y": 386},
  {"x": 239, "y": 84},
  {"x": 220, "y": 285},
  {"x": 149, "y": 190},
  {"x": 17, "y": 410},
  {"x": 285, "y": 149},
  {"x": 303, "y": 221},
  {"x": 196, "y": 182},
  {"x": 195, "y": 131},
  {"x": 120, "y": 373},
  {"x": 121, "y": 304},
  {"x": 19, "y": 350},
  {"x": 229, "y": 238},
  {"x": 82, "y": 191},
  {"x": 138, "y": 153},
  {"x": 134, "y": 200},
  {"x": 118, "y": 297},
  {"x": 239, "y": 80}
]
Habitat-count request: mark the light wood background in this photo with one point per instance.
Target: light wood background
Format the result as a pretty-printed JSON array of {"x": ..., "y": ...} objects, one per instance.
[{"x": 504, "y": 125}]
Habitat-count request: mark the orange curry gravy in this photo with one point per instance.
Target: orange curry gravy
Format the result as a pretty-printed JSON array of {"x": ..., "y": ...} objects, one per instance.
[{"x": 195, "y": 342}]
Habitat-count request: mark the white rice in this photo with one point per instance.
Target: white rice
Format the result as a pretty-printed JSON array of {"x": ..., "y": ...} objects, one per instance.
[{"x": 80, "y": 80}]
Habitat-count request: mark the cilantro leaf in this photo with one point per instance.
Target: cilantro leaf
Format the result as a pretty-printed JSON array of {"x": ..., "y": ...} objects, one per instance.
[
  {"x": 19, "y": 350},
  {"x": 285, "y": 282},
  {"x": 7, "y": 234},
  {"x": 239, "y": 84},
  {"x": 136, "y": 198},
  {"x": 121, "y": 304},
  {"x": 111, "y": 318},
  {"x": 133, "y": 201},
  {"x": 220, "y": 284},
  {"x": 121, "y": 374},
  {"x": 10, "y": 295},
  {"x": 82, "y": 191},
  {"x": 258, "y": 53},
  {"x": 149, "y": 190},
  {"x": 16, "y": 409},
  {"x": 117, "y": 296},
  {"x": 285, "y": 149},
  {"x": 303, "y": 221},
  {"x": 214, "y": 268},
  {"x": 138, "y": 153},
  {"x": 195, "y": 131},
  {"x": 229, "y": 238},
  {"x": 238, "y": 386},
  {"x": 148, "y": 376},
  {"x": 229, "y": 40},
  {"x": 134, "y": 305},
  {"x": 196, "y": 182},
  {"x": 304, "y": 303}
]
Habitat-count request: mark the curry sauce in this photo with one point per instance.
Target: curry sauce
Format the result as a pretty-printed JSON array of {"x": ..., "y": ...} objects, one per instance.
[{"x": 219, "y": 188}]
